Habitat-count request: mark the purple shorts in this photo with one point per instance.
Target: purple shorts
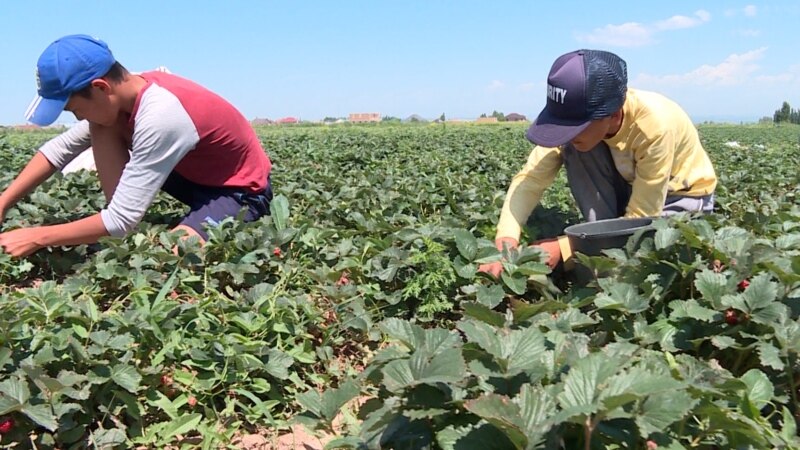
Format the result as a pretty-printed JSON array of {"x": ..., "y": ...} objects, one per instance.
[{"x": 208, "y": 206}]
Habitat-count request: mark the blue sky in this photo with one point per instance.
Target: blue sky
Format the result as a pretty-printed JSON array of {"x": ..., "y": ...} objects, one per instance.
[{"x": 735, "y": 61}]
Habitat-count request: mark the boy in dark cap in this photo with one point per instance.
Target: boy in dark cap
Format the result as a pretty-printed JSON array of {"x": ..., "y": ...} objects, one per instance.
[
  {"x": 149, "y": 131},
  {"x": 627, "y": 152}
]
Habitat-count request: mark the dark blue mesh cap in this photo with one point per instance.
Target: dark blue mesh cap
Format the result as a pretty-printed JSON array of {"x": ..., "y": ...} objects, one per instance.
[{"x": 582, "y": 86}]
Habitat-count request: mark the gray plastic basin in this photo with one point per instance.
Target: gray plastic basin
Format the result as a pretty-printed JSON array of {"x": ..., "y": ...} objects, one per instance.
[{"x": 591, "y": 238}]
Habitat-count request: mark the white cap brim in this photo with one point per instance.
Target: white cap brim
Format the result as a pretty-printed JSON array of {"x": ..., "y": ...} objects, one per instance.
[{"x": 44, "y": 111}]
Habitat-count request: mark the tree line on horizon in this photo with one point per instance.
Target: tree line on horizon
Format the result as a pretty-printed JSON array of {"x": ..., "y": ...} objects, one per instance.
[{"x": 786, "y": 114}]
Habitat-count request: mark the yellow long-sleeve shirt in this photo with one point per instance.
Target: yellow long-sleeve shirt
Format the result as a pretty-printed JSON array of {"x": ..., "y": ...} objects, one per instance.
[{"x": 657, "y": 150}]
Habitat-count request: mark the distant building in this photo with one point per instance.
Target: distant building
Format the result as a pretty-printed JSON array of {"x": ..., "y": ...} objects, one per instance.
[
  {"x": 27, "y": 127},
  {"x": 486, "y": 120},
  {"x": 260, "y": 121},
  {"x": 514, "y": 117},
  {"x": 364, "y": 117},
  {"x": 287, "y": 120}
]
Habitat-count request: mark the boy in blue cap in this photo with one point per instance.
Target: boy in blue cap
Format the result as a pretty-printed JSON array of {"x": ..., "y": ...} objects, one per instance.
[
  {"x": 626, "y": 152},
  {"x": 149, "y": 131}
]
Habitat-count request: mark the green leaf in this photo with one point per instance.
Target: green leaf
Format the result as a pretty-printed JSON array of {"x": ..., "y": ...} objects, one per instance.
[
  {"x": 734, "y": 242},
  {"x": 15, "y": 393},
  {"x": 759, "y": 388},
  {"x": 663, "y": 332},
  {"x": 181, "y": 425},
  {"x": 537, "y": 407},
  {"x": 127, "y": 377},
  {"x": 789, "y": 429},
  {"x": 42, "y": 415},
  {"x": 8, "y": 405},
  {"x": 470, "y": 437},
  {"x": 713, "y": 286},
  {"x": 690, "y": 309},
  {"x": 723, "y": 342},
  {"x": 80, "y": 331},
  {"x": 483, "y": 313},
  {"x": 769, "y": 355},
  {"x": 279, "y": 211},
  {"x": 278, "y": 364},
  {"x": 120, "y": 342},
  {"x": 103, "y": 438},
  {"x": 666, "y": 237},
  {"x": 621, "y": 296},
  {"x": 524, "y": 349},
  {"x": 447, "y": 366},
  {"x": 661, "y": 410},
  {"x": 582, "y": 383},
  {"x": 465, "y": 270},
  {"x": 328, "y": 405},
  {"x": 491, "y": 296},
  {"x": 501, "y": 412},
  {"x": 352, "y": 442},
  {"x": 514, "y": 350},
  {"x": 517, "y": 284},
  {"x": 5, "y": 356},
  {"x": 410, "y": 335},
  {"x": 524, "y": 310},
  {"x": 467, "y": 244},
  {"x": 484, "y": 335},
  {"x": 164, "y": 404}
]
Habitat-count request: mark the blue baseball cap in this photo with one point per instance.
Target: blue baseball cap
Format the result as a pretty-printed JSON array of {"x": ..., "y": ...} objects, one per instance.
[
  {"x": 66, "y": 66},
  {"x": 582, "y": 86}
]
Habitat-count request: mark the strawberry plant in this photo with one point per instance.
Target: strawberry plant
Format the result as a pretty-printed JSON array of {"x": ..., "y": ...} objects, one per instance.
[{"x": 356, "y": 308}]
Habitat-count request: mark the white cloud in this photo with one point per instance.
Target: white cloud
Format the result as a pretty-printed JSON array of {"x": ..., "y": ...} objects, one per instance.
[
  {"x": 734, "y": 70},
  {"x": 631, "y": 34},
  {"x": 790, "y": 76},
  {"x": 749, "y": 11},
  {"x": 635, "y": 34},
  {"x": 495, "y": 85},
  {"x": 749, "y": 32},
  {"x": 679, "y": 22},
  {"x": 703, "y": 15}
]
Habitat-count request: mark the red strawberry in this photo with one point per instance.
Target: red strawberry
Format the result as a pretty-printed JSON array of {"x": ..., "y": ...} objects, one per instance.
[
  {"x": 651, "y": 445},
  {"x": 192, "y": 401},
  {"x": 6, "y": 425},
  {"x": 166, "y": 379},
  {"x": 277, "y": 252},
  {"x": 743, "y": 284},
  {"x": 343, "y": 280},
  {"x": 731, "y": 317}
]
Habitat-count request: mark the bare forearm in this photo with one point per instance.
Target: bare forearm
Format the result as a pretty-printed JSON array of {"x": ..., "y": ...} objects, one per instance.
[
  {"x": 35, "y": 172},
  {"x": 83, "y": 231},
  {"x": 24, "y": 241}
]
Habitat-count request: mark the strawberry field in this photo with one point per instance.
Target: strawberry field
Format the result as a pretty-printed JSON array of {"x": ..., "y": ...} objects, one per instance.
[{"x": 355, "y": 309}]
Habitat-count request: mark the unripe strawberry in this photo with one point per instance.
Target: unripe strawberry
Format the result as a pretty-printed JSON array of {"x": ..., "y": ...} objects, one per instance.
[
  {"x": 192, "y": 401},
  {"x": 6, "y": 425},
  {"x": 651, "y": 445}
]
